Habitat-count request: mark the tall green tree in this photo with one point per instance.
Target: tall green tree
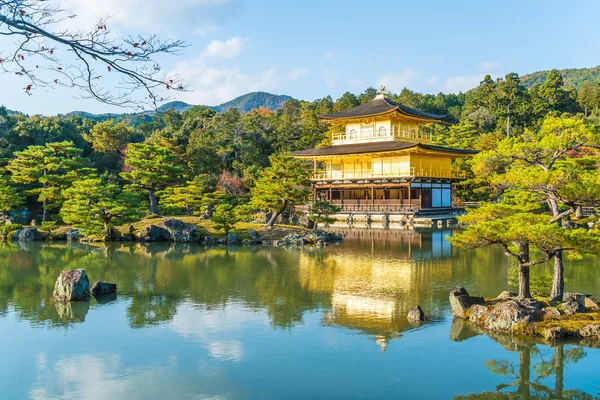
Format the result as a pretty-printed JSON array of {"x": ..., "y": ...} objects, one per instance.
[
  {"x": 151, "y": 168},
  {"x": 589, "y": 97},
  {"x": 557, "y": 163},
  {"x": 109, "y": 137},
  {"x": 521, "y": 227},
  {"x": 281, "y": 185},
  {"x": 320, "y": 212},
  {"x": 9, "y": 197},
  {"x": 188, "y": 198},
  {"x": 94, "y": 206},
  {"x": 48, "y": 170}
]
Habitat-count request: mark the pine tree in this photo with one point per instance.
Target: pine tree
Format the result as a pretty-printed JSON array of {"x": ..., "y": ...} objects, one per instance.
[
  {"x": 151, "y": 168},
  {"x": 48, "y": 169},
  {"x": 281, "y": 185},
  {"x": 94, "y": 206}
]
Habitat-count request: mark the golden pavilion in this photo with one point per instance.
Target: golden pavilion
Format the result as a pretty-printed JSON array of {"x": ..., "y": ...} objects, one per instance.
[{"x": 381, "y": 162}]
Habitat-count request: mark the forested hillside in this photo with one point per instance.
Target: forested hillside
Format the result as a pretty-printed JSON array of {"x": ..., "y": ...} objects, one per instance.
[
  {"x": 573, "y": 77},
  {"x": 228, "y": 151}
]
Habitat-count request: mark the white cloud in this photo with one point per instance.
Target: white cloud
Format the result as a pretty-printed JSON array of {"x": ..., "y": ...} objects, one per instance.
[
  {"x": 329, "y": 77},
  {"x": 329, "y": 54},
  {"x": 490, "y": 66},
  {"x": 461, "y": 83},
  {"x": 224, "y": 49},
  {"x": 397, "y": 81},
  {"x": 211, "y": 85},
  {"x": 356, "y": 83},
  {"x": 297, "y": 73}
]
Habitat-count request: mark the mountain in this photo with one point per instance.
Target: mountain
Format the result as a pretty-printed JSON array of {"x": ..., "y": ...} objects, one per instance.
[
  {"x": 244, "y": 103},
  {"x": 254, "y": 100},
  {"x": 573, "y": 77}
]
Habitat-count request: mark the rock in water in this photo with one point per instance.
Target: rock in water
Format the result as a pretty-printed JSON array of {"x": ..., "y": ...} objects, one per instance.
[
  {"x": 25, "y": 235},
  {"x": 554, "y": 333},
  {"x": 590, "y": 331},
  {"x": 100, "y": 288},
  {"x": 72, "y": 285},
  {"x": 253, "y": 235},
  {"x": 478, "y": 312},
  {"x": 72, "y": 235},
  {"x": 153, "y": 233},
  {"x": 232, "y": 238},
  {"x": 508, "y": 314},
  {"x": 461, "y": 301},
  {"x": 416, "y": 314}
]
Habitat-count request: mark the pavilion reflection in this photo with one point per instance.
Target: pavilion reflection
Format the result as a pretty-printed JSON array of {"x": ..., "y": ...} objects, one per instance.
[{"x": 374, "y": 283}]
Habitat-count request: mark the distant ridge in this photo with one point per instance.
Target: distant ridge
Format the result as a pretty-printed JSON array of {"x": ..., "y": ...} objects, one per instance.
[
  {"x": 244, "y": 103},
  {"x": 573, "y": 77}
]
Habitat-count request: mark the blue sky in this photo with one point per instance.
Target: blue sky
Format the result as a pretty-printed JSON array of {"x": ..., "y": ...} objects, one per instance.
[{"x": 310, "y": 49}]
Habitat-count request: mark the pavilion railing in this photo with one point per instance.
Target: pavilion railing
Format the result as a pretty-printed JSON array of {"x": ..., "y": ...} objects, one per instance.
[{"x": 370, "y": 174}]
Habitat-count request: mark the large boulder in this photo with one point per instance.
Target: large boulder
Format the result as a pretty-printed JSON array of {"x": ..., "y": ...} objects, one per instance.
[
  {"x": 25, "y": 235},
  {"x": 550, "y": 313},
  {"x": 572, "y": 307},
  {"x": 72, "y": 235},
  {"x": 591, "y": 331},
  {"x": 416, "y": 314},
  {"x": 72, "y": 285},
  {"x": 507, "y": 294},
  {"x": 154, "y": 233},
  {"x": 591, "y": 303},
  {"x": 478, "y": 313},
  {"x": 100, "y": 288},
  {"x": 508, "y": 314},
  {"x": 554, "y": 333},
  {"x": 461, "y": 301},
  {"x": 253, "y": 235},
  {"x": 316, "y": 237},
  {"x": 232, "y": 238},
  {"x": 178, "y": 230},
  {"x": 293, "y": 239}
]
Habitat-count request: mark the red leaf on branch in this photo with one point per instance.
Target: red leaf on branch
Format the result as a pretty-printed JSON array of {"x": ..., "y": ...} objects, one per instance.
[
  {"x": 28, "y": 88},
  {"x": 108, "y": 68},
  {"x": 143, "y": 43},
  {"x": 22, "y": 12},
  {"x": 129, "y": 54},
  {"x": 59, "y": 68},
  {"x": 136, "y": 44},
  {"x": 56, "y": 81},
  {"x": 168, "y": 87}
]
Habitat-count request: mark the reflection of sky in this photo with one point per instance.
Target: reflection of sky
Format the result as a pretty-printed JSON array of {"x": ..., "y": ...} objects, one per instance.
[{"x": 233, "y": 352}]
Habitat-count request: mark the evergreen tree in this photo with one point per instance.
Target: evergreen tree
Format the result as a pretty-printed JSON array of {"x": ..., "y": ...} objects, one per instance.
[
  {"x": 589, "y": 97},
  {"x": 281, "y": 185},
  {"x": 94, "y": 206},
  {"x": 224, "y": 217},
  {"x": 9, "y": 197},
  {"x": 48, "y": 169},
  {"x": 320, "y": 212},
  {"x": 151, "y": 168}
]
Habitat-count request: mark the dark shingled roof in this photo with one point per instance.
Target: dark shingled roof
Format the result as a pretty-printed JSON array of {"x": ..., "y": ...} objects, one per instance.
[
  {"x": 378, "y": 106},
  {"x": 375, "y": 147}
]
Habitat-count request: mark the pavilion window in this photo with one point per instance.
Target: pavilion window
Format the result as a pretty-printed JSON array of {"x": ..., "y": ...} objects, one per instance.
[
  {"x": 352, "y": 134},
  {"x": 382, "y": 131},
  {"x": 366, "y": 131}
]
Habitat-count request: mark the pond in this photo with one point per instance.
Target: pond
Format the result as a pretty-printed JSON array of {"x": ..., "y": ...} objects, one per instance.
[{"x": 266, "y": 322}]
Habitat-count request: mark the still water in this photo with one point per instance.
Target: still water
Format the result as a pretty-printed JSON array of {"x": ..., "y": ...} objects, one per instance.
[{"x": 263, "y": 322}]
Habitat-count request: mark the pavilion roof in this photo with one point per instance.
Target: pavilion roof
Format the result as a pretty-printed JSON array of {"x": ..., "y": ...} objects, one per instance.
[
  {"x": 381, "y": 106},
  {"x": 377, "y": 147}
]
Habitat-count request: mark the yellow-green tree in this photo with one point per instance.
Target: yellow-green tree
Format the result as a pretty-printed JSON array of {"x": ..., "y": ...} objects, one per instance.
[
  {"x": 519, "y": 225},
  {"x": 48, "y": 170},
  {"x": 151, "y": 168},
  {"x": 557, "y": 163},
  {"x": 94, "y": 206},
  {"x": 281, "y": 185}
]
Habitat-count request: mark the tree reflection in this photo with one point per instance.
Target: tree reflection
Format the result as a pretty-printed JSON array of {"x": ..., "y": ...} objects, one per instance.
[{"x": 522, "y": 384}]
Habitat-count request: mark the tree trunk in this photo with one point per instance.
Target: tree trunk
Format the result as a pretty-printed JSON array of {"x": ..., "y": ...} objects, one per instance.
[
  {"x": 558, "y": 278},
  {"x": 107, "y": 229},
  {"x": 45, "y": 216},
  {"x": 559, "y": 368},
  {"x": 524, "y": 373},
  {"x": 153, "y": 202},
  {"x": 558, "y": 281},
  {"x": 276, "y": 215},
  {"x": 579, "y": 211},
  {"x": 524, "y": 283}
]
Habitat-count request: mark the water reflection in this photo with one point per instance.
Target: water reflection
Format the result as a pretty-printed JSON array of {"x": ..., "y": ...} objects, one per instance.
[{"x": 539, "y": 372}]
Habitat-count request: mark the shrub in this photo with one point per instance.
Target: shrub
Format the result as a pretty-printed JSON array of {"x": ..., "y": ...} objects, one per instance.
[{"x": 6, "y": 229}]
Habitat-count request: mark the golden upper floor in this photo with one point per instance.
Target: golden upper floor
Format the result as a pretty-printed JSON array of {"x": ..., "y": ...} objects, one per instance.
[{"x": 380, "y": 120}]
